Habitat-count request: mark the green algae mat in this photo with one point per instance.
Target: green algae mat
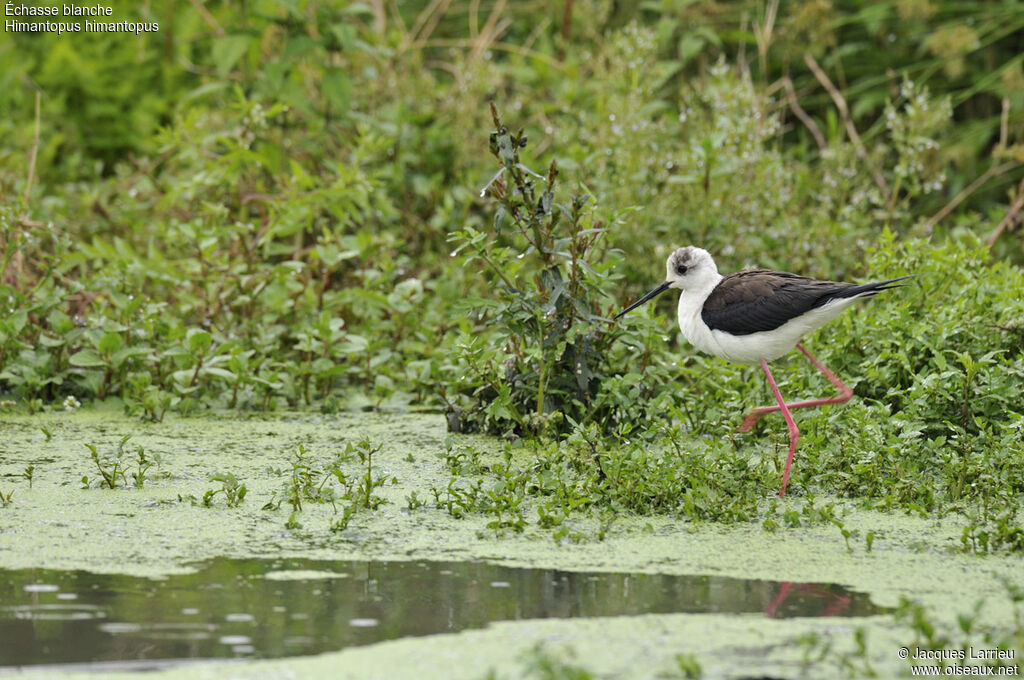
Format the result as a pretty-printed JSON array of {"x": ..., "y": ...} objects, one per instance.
[{"x": 238, "y": 547}]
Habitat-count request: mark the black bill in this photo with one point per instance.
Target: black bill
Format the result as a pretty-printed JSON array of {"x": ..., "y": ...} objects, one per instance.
[{"x": 657, "y": 291}]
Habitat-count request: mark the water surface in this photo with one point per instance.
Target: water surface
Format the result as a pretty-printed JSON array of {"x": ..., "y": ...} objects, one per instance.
[{"x": 276, "y": 608}]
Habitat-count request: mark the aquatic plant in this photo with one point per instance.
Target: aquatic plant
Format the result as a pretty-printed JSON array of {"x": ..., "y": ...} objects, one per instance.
[
  {"x": 927, "y": 631},
  {"x": 341, "y": 523},
  {"x": 314, "y": 482},
  {"x": 688, "y": 667},
  {"x": 363, "y": 492},
  {"x": 234, "y": 492},
  {"x": 142, "y": 465},
  {"x": 29, "y": 474},
  {"x": 545, "y": 662},
  {"x": 116, "y": 467},
  {"x": 111, "y": 468}
]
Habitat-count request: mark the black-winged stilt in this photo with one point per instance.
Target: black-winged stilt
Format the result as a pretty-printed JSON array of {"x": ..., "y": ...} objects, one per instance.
[{"x": 756, "y": 316}]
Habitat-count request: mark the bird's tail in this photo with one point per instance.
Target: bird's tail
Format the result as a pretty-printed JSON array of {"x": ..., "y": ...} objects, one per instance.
[{"x": 871, "y": 289}]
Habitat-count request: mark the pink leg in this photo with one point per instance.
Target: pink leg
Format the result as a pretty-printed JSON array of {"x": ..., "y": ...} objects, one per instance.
[
  {"x": 794, "y": 433},
  {"x": 779, "y": 599},
  {"x": 844, "y": 396}
]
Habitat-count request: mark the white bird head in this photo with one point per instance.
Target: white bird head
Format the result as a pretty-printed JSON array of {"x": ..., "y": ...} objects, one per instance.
[{"x": 689, "y": 268}]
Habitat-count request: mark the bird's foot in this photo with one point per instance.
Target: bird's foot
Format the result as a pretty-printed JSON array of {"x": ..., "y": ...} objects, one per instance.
[{"x": 751, "y": 418}]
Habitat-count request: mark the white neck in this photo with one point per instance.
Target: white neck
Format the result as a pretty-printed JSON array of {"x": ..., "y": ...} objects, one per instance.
[
  {"x": 691, "y": 299},
  {"x": 691, "y": 303}
]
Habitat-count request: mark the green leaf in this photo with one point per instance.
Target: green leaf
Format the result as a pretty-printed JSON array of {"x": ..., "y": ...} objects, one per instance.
[
  {"x": 182, "y": 378},
  {"x": 13, "y": 324},
  {"x": 219, "y": 372},
  {"x": 359, "y": 8},
  {"x": 227, "y": 51},
  {"x": 86, "y": 358},
  {"x": 337, "y": 88},
  {"x": 325, "y": 367},
  {"x": 345, "y": 34},
  {"x": 199, "y": 340},
  {"x": 353, "y": 343},
  {"x": 120, "y": 356},
  {"x": 271, "y": 385},
  {"x": 110, "y": 343},
  {"x": 505, "y": 149},
  {"x": 47, "y": 341},
  {"x": 689, "y": 47}
]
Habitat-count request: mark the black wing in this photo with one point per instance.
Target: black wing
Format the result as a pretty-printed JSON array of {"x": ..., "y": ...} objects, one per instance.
[{"x": 762, "y": 300}]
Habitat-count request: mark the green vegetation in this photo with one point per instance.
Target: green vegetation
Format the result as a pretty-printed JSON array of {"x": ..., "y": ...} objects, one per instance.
[
  {"x": 936, "y": 427},
  {"x": 29, "y": 474},
  {"x": 115, "y": 467},
  {"x": 544, "y": 662},
  {"x": 316, "y": 483},
  {"x": 909, "y": 555},
  {"x": 294, "y": 206},
  {"x": 233, "y": 491},
  {"x": 922, "y": 630}
]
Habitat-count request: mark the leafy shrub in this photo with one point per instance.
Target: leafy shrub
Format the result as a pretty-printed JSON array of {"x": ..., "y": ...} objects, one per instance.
[{"x": 543, "y": 364}]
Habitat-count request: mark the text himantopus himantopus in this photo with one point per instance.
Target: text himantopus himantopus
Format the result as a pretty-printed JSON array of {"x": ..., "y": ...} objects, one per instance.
[{"x": 756, "y": 316}]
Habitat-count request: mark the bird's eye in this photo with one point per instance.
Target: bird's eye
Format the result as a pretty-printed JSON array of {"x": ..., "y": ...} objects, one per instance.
[{"x": 681, "y": 269}]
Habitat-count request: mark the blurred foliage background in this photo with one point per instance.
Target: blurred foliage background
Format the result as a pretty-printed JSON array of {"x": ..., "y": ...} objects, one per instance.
[{"x": 259, "y": 203}]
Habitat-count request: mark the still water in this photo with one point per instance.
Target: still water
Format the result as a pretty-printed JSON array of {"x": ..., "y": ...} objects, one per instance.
[{"x": 276, "y": 608}]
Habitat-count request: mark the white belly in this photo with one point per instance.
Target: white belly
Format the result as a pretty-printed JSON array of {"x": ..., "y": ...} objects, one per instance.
[{"x": 750, "y": 349}]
